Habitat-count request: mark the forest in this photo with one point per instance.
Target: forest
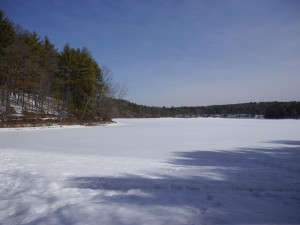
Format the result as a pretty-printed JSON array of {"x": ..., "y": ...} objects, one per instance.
[
  {"x": 37, "y": 81},
  {"x": 42, "y": 80},
  {"x": 268, "y": 110}
]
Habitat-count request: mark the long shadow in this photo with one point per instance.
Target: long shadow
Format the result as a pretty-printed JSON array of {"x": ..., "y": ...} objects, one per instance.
[{"x": 241, "y": 186}]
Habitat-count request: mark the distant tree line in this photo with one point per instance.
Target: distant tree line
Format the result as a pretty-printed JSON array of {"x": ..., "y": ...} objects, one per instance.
[
  {"x": 41, "y": 78},
  {"x": 269, "y": 110}
]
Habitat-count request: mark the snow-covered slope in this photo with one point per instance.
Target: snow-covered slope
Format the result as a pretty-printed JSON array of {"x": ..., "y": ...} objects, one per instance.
[{"x": 152, "y": 171}]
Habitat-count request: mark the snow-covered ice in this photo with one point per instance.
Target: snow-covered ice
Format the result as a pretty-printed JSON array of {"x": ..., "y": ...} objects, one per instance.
[{"x": 152, "y": 171}]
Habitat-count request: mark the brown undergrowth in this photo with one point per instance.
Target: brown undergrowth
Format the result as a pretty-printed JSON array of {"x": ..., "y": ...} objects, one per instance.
[{"x": 46, "y": 120}]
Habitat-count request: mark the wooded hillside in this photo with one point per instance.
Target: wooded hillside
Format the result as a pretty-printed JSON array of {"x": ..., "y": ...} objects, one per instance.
[{"x": 41, "y": 79}]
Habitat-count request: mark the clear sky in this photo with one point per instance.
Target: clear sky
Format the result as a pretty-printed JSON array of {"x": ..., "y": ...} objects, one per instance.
[{"x": 180, "y": 52}]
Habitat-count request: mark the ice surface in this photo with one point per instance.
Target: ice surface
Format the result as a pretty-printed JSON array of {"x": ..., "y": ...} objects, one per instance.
[{"x": 152, "y": 171}]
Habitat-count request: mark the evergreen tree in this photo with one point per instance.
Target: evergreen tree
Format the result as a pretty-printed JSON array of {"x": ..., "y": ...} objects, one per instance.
[
  {"x": 7, "y": 65},
  {"x": 7, "y": 32}
]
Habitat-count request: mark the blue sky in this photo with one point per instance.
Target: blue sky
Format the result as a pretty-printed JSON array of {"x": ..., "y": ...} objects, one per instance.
[{"x": 180, "y": 52}]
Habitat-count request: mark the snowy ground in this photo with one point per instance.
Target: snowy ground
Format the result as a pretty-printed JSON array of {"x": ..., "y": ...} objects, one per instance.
[{"x": 152, "y": 171}]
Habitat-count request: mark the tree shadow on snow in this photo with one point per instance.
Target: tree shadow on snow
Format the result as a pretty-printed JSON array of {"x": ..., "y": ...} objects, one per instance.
[{"x": 245, "y": 186}]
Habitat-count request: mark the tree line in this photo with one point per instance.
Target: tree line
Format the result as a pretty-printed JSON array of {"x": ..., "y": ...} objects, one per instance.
[
  {"x": 41, "y": 79},
  {"x": 269, "y": 110}
]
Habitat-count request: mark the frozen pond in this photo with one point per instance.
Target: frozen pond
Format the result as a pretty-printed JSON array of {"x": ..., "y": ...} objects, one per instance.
[{"x": 152, "y": 171}]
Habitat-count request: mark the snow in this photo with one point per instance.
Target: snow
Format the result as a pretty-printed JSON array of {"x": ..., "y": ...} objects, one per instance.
[{"x": 152, "y": 171}]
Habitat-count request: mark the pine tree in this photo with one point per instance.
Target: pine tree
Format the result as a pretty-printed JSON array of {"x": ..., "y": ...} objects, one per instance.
[
  {"x": 7, "y": 71},
  {"x": 7, "y": 32}
]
